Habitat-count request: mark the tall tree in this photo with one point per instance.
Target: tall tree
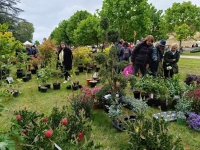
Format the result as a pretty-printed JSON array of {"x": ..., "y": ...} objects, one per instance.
[
  {"x": 87, "y": 32},
  {"x": 8, "y": 7},
  {"x": 24, "y": 31},
  {"x": 59, "y": 34},
  {"x": 128, "y": 16},
  {"x": 73, "y": 22},
  {"x": 183, "y": 13},
  {"x": 158, "y": 28}
]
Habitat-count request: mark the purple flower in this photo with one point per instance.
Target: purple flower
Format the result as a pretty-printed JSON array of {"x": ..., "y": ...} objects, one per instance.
[{"x": 194, "y": 121}]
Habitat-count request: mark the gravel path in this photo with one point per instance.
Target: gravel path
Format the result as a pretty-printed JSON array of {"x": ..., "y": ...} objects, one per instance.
[{"x": 195, "y": 57}]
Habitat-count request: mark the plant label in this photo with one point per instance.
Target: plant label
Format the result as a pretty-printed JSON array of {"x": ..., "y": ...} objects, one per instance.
[{"x": 58, "y": 147}]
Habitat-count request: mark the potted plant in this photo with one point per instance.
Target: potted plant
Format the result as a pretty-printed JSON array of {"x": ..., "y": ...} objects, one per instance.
[
  {"x": 181, "y": 118},
  {"x": 56, "y": 84},
  {"x": 134, "y": 81},
  {"x": 44, "y": 78}
]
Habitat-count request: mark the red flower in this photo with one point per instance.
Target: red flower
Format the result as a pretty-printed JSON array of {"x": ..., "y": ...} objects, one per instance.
[
  {"x": 25, "y": 131},
  {"x": 45, "y": 119},
  {"x": 80, "y": 136},
  {"x": 48, "y": 133},
  {"x": 64, "y": 121},
  {"x": 18, "y": 117}
]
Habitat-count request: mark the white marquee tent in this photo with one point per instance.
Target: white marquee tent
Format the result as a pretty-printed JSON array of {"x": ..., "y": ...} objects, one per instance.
[{"x": 27, "y": 43}]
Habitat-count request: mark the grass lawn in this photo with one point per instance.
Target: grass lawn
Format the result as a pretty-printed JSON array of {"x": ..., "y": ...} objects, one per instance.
[
  {"x": 101, "y": 124},
  {"x": 187, "y": 53}
]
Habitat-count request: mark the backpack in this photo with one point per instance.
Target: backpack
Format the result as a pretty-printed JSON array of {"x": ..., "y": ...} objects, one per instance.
[{"x": 126, "y": 54}]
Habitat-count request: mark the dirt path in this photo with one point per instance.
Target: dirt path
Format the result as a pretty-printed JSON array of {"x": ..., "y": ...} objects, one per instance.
[{"x": 195, "y": 57}]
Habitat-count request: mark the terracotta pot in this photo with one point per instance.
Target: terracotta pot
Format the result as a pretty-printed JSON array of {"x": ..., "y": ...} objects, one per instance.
[
  {"x": 88, "y": 81},
  {"x": 95, "y": 106}
]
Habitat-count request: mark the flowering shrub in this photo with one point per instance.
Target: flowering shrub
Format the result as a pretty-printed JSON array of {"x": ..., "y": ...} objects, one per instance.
[
  {"x": 194, "y": 121},
  {"x": 95, "y": 90},
  {"x": 195, "y": 96},
  {"x": 59, "y": 129},
  {"x": 83, "y": 100},
  {"x": 191, "y": 78}
]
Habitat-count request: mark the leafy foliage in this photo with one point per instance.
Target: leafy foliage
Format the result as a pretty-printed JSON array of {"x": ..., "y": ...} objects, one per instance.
[
  {"x": 7, "y": 42},
  {"x": 152, "y": 134},
  {"x": 47, "y": 50},
  {"x": 87, "y": 31},
  {"x": 59, "y": 34},
  {"x": 73, "y": 22},
  {"x": 24, "y": 31}
]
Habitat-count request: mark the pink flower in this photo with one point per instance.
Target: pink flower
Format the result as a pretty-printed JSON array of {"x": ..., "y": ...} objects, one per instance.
[
  {"x": 18, "y": 117},
  {"x": 64, "y": 121},
  {"x": 48, "y": 133}
]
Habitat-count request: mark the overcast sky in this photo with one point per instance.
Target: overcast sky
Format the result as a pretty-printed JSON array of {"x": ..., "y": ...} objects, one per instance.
[{"x": 46, "y": 14}]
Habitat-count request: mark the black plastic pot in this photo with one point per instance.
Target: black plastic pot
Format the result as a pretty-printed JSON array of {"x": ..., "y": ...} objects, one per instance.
[
  {"x": 76, "y": 83},
  {"x": 93, "y": 83},
  {"x": 19, "y": 74},
  {"x": 48, "y": 86},
  {"x": 25, "y": 79},
  {"x": 43, "y": 89},
  {"x": 150, "y": 102},
  {"x": 15, "y": 93},
  {"x": 69, "y": 87},
  {"x": 75, "y": 88},
  {"x": 56, "y": 86},
  {"x": 89, "y": 70},
  {"x": 97, "y": 69},
  {"x": 80, "y": 86},
  {"x": 39, "y": 86},
  {"x": 29, "y": 76},
  {"x": 80, "y": 68},
  {"x": 33, "y": 71},
  {"x": 136, "y": 94},
  {"x": 163, "y": 106},
  {"x": 144, "y": 95},
  {"x": 157, "y": 102},
  {"x": 77, "y": 72}
]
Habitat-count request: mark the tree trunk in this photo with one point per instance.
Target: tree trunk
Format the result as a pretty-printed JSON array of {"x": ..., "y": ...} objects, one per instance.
[{"x": 180, "y": 43}]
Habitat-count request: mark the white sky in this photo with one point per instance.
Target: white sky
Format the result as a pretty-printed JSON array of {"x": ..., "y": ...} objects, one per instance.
[{"x": 46, "y": 14}]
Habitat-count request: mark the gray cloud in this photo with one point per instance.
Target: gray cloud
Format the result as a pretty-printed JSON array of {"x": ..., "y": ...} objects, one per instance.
[{"x": 46, "y": 14}]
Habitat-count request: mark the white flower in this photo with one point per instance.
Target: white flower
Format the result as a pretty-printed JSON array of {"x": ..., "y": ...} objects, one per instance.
[{"x": 169, "y": 67}]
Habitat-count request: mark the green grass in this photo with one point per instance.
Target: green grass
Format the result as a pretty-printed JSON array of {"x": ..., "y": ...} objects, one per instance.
[
  {"x": 101, "y": 124},
  {"x": 187, "y": 53}
]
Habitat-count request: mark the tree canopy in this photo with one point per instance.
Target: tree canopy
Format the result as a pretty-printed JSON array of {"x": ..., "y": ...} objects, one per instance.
[
  {"x": 73, "y": 22},
  {"x": 59, "y": 33},
  {"x": 184, "y": 16},
  {"x": 24, "y": 31},
  {"x": 8, "y": 7},
  {"x": 87, "y": 32}
]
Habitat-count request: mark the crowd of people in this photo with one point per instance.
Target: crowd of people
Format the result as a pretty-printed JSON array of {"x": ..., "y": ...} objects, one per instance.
[{"x": 144, "y": 56}]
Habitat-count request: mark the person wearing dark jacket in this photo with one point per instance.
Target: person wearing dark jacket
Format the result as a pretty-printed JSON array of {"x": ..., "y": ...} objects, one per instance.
[
  {"x": 171, "y": 59},
  {"x": 157, "y": 56},
  {"x": 122, "y": 50},
  {"x": 65, "y": 58},
  {"x": 141, "y": 55}
]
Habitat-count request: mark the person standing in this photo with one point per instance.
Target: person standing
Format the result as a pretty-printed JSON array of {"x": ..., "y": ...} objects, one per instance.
[
  {"x": 65, "y": 59},
  {"x": 125, "y": 52},
  {"x": 157, "y": 56},
  {"x": 141, "y": 55},
  {"x": 171, "y": 59}
]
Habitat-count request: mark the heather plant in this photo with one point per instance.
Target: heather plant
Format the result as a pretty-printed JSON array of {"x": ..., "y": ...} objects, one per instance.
[{"x": 194, "y": 121}]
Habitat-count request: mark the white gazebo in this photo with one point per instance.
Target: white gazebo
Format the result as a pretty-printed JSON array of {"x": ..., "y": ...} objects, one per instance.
[{"x": 27, "y": 43}]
